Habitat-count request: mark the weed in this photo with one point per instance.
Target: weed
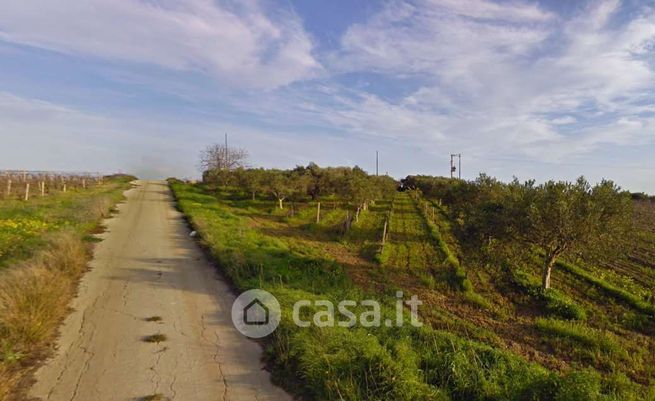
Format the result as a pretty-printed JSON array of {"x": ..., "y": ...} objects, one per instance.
[
  {"x": 155, "y": 338},
  {"x": 153, "y": 397}
]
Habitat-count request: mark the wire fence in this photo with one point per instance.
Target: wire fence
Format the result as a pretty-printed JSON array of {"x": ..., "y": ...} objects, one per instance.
[{"x": 25, "y": 185}]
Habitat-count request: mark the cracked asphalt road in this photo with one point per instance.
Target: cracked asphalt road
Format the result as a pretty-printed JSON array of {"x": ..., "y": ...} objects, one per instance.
[{"x": 145, "y": 267}]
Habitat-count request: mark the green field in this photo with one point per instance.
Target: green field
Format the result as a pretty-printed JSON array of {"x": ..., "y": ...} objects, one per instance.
[
  {"x": 25, "y": 225},
  {"x": 499, "y": 337}
]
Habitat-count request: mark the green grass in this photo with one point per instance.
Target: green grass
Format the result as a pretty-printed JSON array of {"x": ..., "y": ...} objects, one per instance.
[
  {"x": 459, "y": 276},
  {"x": 618, "y": 293},
  {"x": 580, "y": 333},
  {"x": 599, "y": 348},
  {"x": 359, "y": 363},
  {"x": 409, "y": 245},
  {"x": 554, "y": 302},
  {"x": 24, "y": 225}
]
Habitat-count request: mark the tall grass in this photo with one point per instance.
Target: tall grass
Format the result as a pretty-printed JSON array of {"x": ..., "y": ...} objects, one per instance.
[
  {"x": 582, "y": 334},
  {"x": 33, "y": 300}
]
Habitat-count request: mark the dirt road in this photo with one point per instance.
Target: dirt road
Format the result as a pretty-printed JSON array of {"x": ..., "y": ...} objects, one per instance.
[{"x": 148, "y": 266}]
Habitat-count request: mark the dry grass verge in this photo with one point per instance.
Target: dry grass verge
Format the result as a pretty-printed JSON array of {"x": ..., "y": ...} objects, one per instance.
[
  {"x": 34, "y": 298},
  {"x": 35, "y": 293}
]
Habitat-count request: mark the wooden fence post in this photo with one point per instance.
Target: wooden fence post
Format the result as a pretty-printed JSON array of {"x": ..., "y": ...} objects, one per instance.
[
  {"x": 384, "y": 232},
  {"x": 9, "y": 188},
  {"x": 27, "y": 191},
  {"x": 318, "y": 212},
  {"x": 347, "y": 222},
  {"x": 64, "y": 187}
]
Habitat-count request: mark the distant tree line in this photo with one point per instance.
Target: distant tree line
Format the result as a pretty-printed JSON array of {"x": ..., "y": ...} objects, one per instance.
[{"x": 227, "y": 167}]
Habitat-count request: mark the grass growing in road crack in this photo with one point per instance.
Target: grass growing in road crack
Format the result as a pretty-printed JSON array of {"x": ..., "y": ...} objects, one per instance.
[
  {"x": 155, "y": 338},
  {"x": 153, "y": 397},
  {"x": 154, "y": 319}
]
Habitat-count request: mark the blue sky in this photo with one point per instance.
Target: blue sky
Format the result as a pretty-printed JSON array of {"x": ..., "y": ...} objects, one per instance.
[{"x": 550, "y": 89}]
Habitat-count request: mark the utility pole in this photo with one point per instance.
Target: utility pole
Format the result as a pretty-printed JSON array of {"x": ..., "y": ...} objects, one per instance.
[
  {"x": 376, "y": 162},
  {"x": 226, "y": 154},
  {"x": 452, "y": 165}
]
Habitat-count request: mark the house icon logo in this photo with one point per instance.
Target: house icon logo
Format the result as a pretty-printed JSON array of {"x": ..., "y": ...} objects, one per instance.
[{"x": 256, "y": 313}]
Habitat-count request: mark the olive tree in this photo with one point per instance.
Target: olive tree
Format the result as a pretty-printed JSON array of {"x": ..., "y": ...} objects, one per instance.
[
  {"x": 251, "y": 180},
  {"x": 572, "y": 218},
  {"x": 280, "y": 184}
]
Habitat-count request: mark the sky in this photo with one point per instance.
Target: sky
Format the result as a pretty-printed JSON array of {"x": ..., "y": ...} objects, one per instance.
[{"x": 550, "y": 89}]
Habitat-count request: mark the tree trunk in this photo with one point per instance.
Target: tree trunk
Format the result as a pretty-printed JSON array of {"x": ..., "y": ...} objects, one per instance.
[
  {"x": 253, "y": 195},
  {"x": 548, "y": 269},
  {"x": 280, "y": 200}
]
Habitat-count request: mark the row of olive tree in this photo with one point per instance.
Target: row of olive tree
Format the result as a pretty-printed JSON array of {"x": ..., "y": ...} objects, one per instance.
[
  {"x": 313, "y": 182},
  {"x": 224, "y": 166},
  {"x": 555, "y": 218}
]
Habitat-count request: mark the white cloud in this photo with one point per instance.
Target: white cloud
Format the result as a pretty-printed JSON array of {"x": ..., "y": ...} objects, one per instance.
[
  {"x": 493, "y": 72},
  {"x": 237, "y": 43},
  {"x": 563, "y": 120}
]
